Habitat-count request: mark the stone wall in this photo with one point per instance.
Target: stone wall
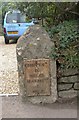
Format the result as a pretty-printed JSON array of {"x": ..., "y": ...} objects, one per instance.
[{"x": 68, "y": 83}]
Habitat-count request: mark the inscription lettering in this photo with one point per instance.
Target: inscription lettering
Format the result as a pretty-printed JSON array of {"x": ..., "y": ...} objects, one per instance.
[
  {"x": 37, "y": 75},
  {"x": 33, "y": 65},
  {"x": 39, "y": 80}
]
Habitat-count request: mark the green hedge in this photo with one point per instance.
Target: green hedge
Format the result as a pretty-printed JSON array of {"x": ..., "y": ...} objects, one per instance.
[{"x": 66, "y": 39}]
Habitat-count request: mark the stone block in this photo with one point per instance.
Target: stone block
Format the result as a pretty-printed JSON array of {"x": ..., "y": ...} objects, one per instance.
[
  {"x": 68, "y": 94},
  {"x": 71, "y": 79},
  {"x": 76, "y": 86},
  {"x": 64, "y": 86},
  {"x": 69, "y": 72},
  {"x": 37, "y": 71}
]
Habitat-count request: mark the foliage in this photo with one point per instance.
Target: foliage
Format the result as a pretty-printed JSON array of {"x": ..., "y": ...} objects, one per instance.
[
  {"x": 50, "y": 13},
  {"x": 66, "y": 39}
]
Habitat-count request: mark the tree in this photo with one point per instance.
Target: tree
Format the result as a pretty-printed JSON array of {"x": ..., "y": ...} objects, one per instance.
[
  {"x": 50, "y": 12},
  {"x": 6, "y": 6}
]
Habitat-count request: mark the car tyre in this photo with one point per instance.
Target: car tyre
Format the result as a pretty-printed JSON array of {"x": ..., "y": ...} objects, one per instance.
[{"x": 6, "y": 41}]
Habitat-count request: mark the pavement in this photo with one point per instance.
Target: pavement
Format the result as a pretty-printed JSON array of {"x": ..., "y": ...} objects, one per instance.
[{"x": 14, "y": 107}]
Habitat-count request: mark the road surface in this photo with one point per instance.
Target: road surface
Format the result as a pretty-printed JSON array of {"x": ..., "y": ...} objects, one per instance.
[
  {"x": 8, "y": 68},
  {"x": 19, "y": 109}
]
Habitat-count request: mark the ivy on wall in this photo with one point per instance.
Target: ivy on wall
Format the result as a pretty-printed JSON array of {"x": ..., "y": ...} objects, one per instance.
[{"x": 66, "y": 39}]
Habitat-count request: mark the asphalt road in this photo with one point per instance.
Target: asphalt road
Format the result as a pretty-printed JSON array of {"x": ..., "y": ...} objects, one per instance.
[{"x": 13, "y": 107}]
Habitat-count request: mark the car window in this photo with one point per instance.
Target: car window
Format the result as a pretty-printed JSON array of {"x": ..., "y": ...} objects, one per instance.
[
  {"x": 21, "y": 18},
  {"x": 15, "y": 18}
]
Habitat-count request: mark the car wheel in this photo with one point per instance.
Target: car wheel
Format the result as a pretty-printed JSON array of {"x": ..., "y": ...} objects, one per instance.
[{"x": 6, "y": 41}]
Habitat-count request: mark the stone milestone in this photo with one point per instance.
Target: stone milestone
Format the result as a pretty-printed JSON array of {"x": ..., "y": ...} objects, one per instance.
[{"x": 37, "y": 71}]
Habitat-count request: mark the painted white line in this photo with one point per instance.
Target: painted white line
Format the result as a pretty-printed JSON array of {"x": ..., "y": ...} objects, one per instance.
[{"x": 1, "y": 95}]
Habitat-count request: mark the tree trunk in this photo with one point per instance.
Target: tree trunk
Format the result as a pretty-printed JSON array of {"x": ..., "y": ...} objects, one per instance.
[{"x": 42, "y": 21}]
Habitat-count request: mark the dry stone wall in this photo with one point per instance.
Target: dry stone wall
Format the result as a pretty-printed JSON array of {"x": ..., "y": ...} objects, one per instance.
[{"x": 68, "y": 83}]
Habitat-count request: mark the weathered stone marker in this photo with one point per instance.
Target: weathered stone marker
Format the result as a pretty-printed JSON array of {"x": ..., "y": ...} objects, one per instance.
[{"x": 37, "y": 71}]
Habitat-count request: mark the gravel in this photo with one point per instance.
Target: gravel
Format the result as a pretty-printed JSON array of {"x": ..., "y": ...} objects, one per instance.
[{"x": 8, "y": 68}]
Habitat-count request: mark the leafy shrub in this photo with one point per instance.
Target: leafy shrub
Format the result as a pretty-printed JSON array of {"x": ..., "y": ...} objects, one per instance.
[{"x": 66, "y": 39}]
